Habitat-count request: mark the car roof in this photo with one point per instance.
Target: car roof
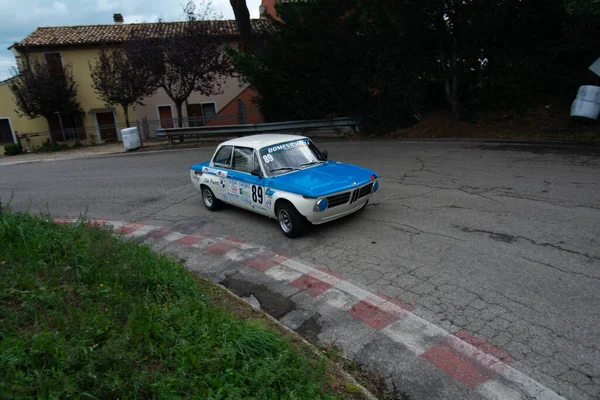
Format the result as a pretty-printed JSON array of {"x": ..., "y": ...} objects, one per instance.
[{"x": 260, "y": 141}]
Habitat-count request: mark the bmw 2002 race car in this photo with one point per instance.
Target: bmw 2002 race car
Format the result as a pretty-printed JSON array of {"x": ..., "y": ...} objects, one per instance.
[{"x": 283, "y": 177}]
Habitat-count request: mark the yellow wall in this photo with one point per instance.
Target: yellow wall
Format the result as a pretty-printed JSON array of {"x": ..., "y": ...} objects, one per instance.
[
  {"x": 20, "y": 124},
  {"x": 79, "y": 60}
]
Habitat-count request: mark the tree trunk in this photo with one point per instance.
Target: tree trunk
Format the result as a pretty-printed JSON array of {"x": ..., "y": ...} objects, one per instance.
[
  {"x": 126, "y": 112},
  {"x": 179, "y": 108},
  {"x": 242, "y": 20},
  {"x": 51, "y": 131}
]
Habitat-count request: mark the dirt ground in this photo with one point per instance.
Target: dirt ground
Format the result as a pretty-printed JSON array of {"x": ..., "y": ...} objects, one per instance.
[{"x": 543, "y": 122}]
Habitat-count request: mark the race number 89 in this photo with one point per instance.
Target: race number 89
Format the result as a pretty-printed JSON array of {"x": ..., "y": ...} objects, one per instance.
[
  {"x": 267, "y": 158},
  {"x": 257, "y": 194}
]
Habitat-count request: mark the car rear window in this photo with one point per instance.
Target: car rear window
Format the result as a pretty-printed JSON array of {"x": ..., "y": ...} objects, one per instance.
[{"x": 223, "y": 157}]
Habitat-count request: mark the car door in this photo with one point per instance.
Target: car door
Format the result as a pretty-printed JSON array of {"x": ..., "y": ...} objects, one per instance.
[
  {"x": 216, "y": 177},
  {"x": 247, "y": 190}
]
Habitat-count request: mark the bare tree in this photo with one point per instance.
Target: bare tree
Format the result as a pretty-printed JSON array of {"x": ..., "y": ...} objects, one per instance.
[
  {"x": 191, "y": 59},
  {"x": 42, "y": 90},
  {"x": 121, "y": 77}
]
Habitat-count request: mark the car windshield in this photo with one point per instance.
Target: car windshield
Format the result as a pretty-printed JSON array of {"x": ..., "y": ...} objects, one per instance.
[{"x": 285, "y": 157}]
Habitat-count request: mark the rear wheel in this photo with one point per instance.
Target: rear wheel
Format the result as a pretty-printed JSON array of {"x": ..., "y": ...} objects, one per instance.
[
  {"x": 209, "y": 199},
  {"x": 291, "y": 222}
]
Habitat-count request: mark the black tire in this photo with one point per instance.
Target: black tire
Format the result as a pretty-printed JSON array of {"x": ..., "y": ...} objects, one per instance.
[
  {"x": 209, "y": 199},
  {"x": 291, "y": 222}
]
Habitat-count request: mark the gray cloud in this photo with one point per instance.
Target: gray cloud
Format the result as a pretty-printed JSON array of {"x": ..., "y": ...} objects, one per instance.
[{"x": 19, "y": 18}]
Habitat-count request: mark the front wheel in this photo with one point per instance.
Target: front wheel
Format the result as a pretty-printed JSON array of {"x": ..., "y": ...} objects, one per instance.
[
  {"x": 209, "y": 199},
  {"x": 291, "y": 222}
]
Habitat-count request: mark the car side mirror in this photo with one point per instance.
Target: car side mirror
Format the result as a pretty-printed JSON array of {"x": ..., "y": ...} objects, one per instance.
[
  {"x": 257, "y": 172},
  {"x": 325, "y": 154}
]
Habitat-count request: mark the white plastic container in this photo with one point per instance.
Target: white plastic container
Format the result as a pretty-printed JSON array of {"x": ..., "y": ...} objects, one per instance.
[
  {"x": 131, "y": 138},
  {"x": 581, "y": 109},
  {"x": 589, "y": 93}
]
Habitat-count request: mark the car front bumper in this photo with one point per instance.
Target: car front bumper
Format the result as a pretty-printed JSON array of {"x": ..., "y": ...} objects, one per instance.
[{"x": 337, "y": 212}]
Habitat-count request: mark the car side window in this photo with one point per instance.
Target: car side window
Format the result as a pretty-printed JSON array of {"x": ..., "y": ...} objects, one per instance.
[
  {"x": 223, "y": 157},
  {"x": 243, "y": 159}
]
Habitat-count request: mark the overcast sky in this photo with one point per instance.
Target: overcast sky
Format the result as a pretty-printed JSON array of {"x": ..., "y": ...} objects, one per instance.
[{"x": 19, "y": 18}]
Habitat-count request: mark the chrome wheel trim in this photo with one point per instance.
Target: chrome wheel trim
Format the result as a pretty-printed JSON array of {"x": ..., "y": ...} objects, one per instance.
[
  {"x": 285, "y": 221},
  {"x": 207, "y": 197}
]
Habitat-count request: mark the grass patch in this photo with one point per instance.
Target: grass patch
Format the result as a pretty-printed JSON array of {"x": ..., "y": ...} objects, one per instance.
[{"x": 84, "y": 314}]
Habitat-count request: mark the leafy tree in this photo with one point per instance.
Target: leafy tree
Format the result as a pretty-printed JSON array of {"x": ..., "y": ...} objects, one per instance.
[
  {"x": 306, "y": 69},
  {"x": 40, "y": 90},
  {"x": 384, "y": 60},
  {"x": 120, "y": 76}
]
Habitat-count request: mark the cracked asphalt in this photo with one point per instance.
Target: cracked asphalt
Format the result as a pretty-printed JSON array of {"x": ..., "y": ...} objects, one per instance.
[{"x": 499, "y": 240}]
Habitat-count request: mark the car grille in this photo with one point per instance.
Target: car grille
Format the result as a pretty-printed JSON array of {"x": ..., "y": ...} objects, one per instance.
[
  {"x": 338, "y": 199},
  {"x": 365, "y": 190},
  {"x": 352, "y": 196}
]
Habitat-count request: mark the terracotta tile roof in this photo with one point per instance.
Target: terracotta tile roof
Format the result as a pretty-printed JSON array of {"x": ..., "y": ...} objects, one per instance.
[{"x": 118, "y": 33}]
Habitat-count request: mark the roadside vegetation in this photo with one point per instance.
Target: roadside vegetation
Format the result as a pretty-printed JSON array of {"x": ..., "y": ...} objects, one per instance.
[
  {"x": 394, "y": 63},
  {"x": 84, "y": 314}
]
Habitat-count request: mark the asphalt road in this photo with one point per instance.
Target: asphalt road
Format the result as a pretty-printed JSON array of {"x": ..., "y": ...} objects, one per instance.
[{"x": 499, "y": 240}]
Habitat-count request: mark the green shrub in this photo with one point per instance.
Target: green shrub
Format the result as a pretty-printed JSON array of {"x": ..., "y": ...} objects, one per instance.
[
  {"x": 56, "y": 147},
  {"x": 88, "y": 315},
  {"x": 12, "y": 149}
]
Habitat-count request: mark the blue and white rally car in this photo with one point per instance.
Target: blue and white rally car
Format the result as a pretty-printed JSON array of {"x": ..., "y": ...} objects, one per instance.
[{"x": 283, "y": 177}]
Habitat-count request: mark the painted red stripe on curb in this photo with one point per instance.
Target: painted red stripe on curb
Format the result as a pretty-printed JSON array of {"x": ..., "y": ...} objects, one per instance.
[
  {"x": 311, "y": 284},
  {"x": 399, "y": 303},
  {"x": 484, "y": 346},
  {"x": 372, "y": 316},
  {"x": 191, "y": 239},
  {"x": 265, "y": 261},
  {"x": 282, "y": 254},
  {"x": 222, "y": 247},
  {"x": 62, "y": 220},
  {"x": 129, "y": 228},
  {"x": 458, "y": 366}
]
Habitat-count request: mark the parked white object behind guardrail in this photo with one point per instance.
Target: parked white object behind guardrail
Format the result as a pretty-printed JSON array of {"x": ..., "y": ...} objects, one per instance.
[
  {"x": 587, "y": 103},
  {"x": 131, "y": 138}
]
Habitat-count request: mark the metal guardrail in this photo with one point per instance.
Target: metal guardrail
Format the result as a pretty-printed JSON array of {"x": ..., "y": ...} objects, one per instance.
[{"x": 248, "y": 129}]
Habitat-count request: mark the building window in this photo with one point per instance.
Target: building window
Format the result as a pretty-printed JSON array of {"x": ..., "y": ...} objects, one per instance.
[
  {"x": 209, "y": 110},
  {"x": 54, "y": 61}
]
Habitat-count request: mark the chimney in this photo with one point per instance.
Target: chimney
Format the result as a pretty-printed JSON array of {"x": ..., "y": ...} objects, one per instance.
[
  {"x": 267, "y": 7},
  {"x": 118, "y": 18}
]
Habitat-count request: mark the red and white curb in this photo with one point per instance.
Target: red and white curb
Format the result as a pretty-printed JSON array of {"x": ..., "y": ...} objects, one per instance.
[{"x": 466, "y": 358}]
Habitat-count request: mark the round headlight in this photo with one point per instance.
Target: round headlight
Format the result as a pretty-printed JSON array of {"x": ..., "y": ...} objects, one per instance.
[
  {"x": 322, "y": 204},
  {"x": 375, "y": 186}
]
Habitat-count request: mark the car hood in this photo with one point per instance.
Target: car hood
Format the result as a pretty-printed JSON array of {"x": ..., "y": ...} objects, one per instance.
[{"x": 322, "y": 180}]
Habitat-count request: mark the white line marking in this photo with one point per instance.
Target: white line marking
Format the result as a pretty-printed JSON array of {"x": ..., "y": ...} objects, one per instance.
[
  {"x": 415, "y": 333},
  {"x": 493, "y": 389},
  {"x": 412, "y": 331},
  {"x": 283, "y": 273},
  {"x": 204, "y": 243},
  {"x": 143, "y": 230},
  {"x": 173, "y": 236}
]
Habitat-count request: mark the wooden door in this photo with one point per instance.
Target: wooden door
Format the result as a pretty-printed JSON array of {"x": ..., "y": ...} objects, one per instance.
[
  {"x": 6, "y": 135},
  {"x": 194, "y": 112},
  {"x": 166, "y": 117},
  {"x": 106, "y": 123}
]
